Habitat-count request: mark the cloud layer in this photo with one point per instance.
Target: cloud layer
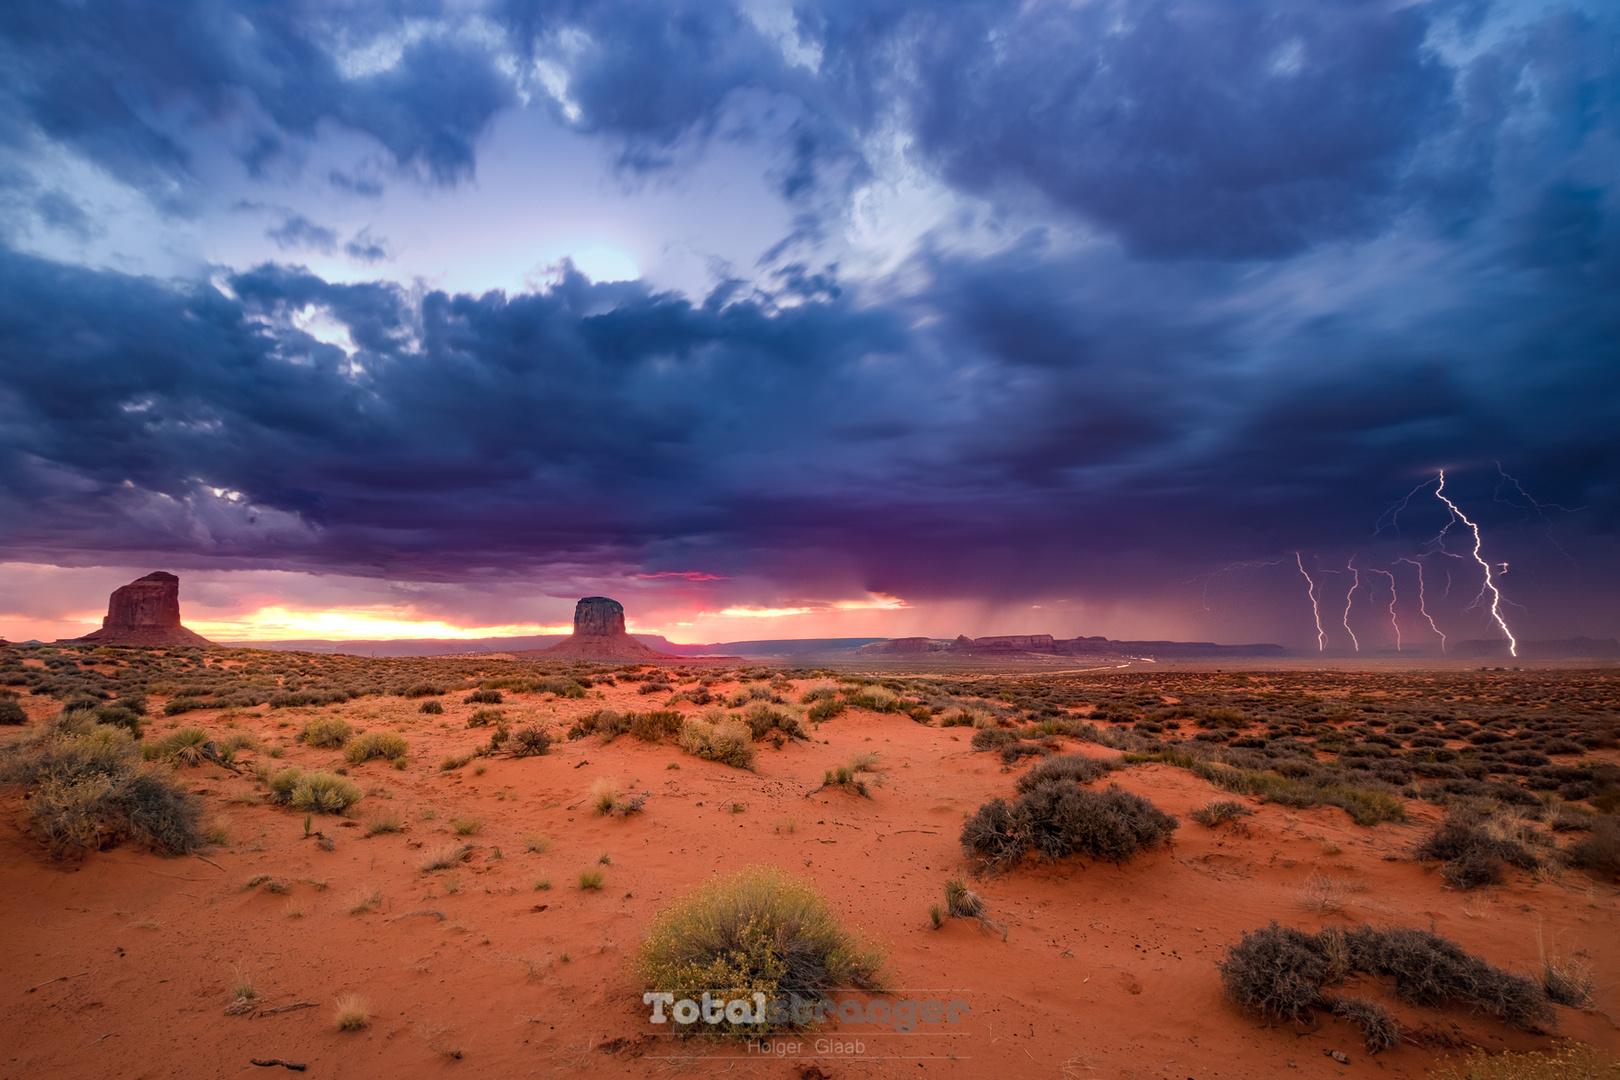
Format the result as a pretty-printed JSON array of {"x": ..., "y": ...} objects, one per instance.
[{"x": 1248, "y": 274}]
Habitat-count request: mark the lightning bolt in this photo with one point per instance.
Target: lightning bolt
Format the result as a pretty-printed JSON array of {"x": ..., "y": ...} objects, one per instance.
[
  {"x": 1490, "y": 578},
  {"x": 1316, "y": 608},
  {"x": 1393, "y": 621},
  {"x": 1351, "y": 566},
  {"x": 1423, "y": 600},
  {"x": 1540, "y": 508}
]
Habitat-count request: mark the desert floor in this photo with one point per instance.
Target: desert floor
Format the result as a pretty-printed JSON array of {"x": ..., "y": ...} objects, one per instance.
[{"x": 121, "y": 963}]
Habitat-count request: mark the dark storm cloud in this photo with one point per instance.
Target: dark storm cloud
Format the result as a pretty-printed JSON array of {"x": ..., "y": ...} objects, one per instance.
[
  {"x": 124, "y": 83},
  {"x": 1334, "y": 261}
]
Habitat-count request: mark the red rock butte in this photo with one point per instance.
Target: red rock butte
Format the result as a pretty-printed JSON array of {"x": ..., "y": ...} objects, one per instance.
[
  {"x": 599, "y": 634},
  {"x": 145, "y": 612}
]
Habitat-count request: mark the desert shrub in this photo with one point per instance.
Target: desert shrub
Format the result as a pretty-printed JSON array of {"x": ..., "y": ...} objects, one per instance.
[
  {"x": 826, "y": 709},
  {"x": 324, "y": 793},
  {"x": 655, "y": 726},
  {"x": 13, "y": 713},
  {"x": 327, "y": 732},
  {"x": 486, "y": 717},
  {"x": 1378, "y": 1027},
  {"x": 1474, "y": 848},
  {"x": 184, "y": 746},
  {"x": 432, "y": 708},
  {"x": 729, "y": 742},
  {"x": 1219, "y": 811},
  {"x": 529, "y": 742},
  {"x": 591, "y": 879},
  {"x": 562, "y": 687},
  {"x": 1072, "y": 767},
  {"x": 606, "y": 798},
  {"x": 875, "y": 698},
  {"x": 88, "y": 790},
  {"x": 818, "y": 692},
  {"x": 111, "y": 715},
  {"x": 993, "y": 738},
  {"x": 1059, "y": 818},
  {"x": 424, "y": 689},
  {"x": 758, "y": 930},
  {"x": 483, "y": 697},
  {"x": 1567, "y": 982},
  {"x": 376, "y": 744},
  {"x": 764, "y": 719},
  {"x": 282, "y": 783},
  {"x": 604, "y": 722},
  {"x": 1432, "y": 970},
  {"x": 181, "y": 705},
  {"x": 1276, "y": 971},
  {"x": 1599, "y": 850},
  {"x": 656, "y": 686}
]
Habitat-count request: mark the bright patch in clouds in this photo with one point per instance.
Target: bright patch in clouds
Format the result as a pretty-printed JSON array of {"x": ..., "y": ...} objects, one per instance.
[{"x": 275, "y": 623}]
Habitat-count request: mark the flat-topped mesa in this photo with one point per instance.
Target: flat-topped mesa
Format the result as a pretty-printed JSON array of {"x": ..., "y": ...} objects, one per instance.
[
  {"x": 145, "y": 612},
  {"x": 599, "y": 616},
  {"x": 599, "y": 634}
]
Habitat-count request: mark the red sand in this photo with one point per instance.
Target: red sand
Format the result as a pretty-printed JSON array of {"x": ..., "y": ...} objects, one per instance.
[{"x": 121, "y": 964}]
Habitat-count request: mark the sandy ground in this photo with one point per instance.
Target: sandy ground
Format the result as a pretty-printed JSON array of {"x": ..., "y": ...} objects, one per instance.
[{"x": 122, "y": 963}]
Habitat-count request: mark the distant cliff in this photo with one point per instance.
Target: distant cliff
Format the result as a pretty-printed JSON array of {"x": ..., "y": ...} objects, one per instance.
[{"x": 1047, "y": 645}]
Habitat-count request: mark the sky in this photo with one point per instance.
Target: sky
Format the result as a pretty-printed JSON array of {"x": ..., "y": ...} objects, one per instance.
[{"x": 770, "y": 319}]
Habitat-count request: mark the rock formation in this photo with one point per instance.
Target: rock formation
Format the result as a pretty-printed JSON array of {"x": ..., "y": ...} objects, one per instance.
[
  {"x": 145, "y": 612},
  {"x": 598, "y": 635}
]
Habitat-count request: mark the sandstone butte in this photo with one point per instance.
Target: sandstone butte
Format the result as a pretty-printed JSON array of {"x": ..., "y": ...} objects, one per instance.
[
  {"x": 145, "y": 612},
  {"x": 599, "y": 634}
]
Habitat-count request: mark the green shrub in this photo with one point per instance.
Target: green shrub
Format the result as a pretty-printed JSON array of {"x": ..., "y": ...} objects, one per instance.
[
  {"x": 376, "y": 744},
  {"x": 326, "y": 732},
  {"x": 282, "y": 783},
  {"x": 656, "y": 726},
  {"x": 185, "y": 746},
  {"x": 729, "y": 742},
  {"x": 323, "y": 793},
  {"x": 758, "y": 930}
]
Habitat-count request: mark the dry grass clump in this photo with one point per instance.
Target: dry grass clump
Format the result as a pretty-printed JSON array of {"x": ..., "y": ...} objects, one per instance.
[
  {"x": 758, "y": 930},
  {"x": 536, "y": 843},
  {"x": 326, "y": 733},
  {"x": 324, "y": 793},
  {"x": 353, "y": 1013},
  {"x": 451, "y": 762},
  {"x": 1219, "y": 812},
  {"x": 385, "y": 821},
  {"x": 591, "y": 878},
  {"x": 605, "y": 798},
  {"x": 444, "y": 856},
  {"x": 89, "y": 790},
  {"x": 362, "y": 902},
  {"x": 465, "y": 826},
  {"x": 242, "y": 987},
  {"x": 1060, "y": 818},
  {"x": 1566, "y": 981},
  {"x": 853, "y": 777},
  {"x": 1569, "y": 1061},
  {"x": 1281, "y": 972},
  {"x": 729, "y": 742},
  {"x": 376, "y": 744}
]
